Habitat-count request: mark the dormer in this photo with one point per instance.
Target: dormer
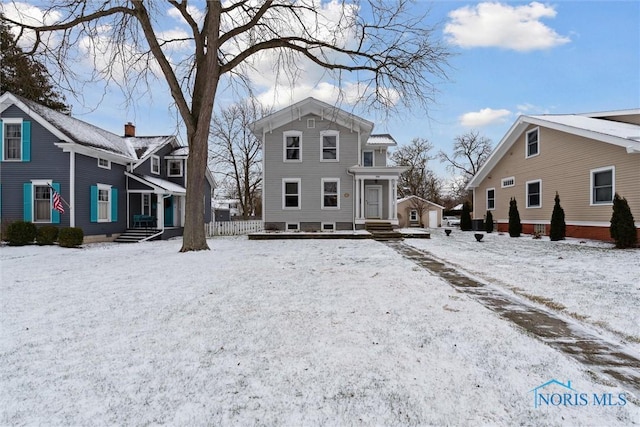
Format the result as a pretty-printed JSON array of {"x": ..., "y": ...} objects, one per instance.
[{"x": 374, "y": 151}]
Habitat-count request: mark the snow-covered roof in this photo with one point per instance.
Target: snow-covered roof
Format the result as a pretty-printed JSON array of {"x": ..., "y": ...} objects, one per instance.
[
  {"x": 590, "y": 126},
  {"x": 72, "y": 130},
  {"x": 404, "y": 199},
  {"x": 311, "y": 106},
  {"x": 381, "y": 140},
  {"x": 159, "y": 183}
]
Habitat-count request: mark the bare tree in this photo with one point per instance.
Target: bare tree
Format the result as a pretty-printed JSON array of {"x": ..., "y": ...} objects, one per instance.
[
  {"x": 236, "y": 153},
  {"x": 418, "y": 180},
  {"x": 470, "y": 151},
  {"x": 389, "y": 48}
]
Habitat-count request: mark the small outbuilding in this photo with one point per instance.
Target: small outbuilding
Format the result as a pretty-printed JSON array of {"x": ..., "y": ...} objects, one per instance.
[{"x": 414, "y": 211}]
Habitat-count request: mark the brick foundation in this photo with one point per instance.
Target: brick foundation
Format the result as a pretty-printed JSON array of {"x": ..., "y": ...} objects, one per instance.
[{"x": 576, "y": 231}]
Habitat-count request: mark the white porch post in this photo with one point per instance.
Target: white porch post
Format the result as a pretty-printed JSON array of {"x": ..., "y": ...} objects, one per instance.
[
  {"x": 159, "y": 212},
  {"x": 393, "y": 190},
  {"x": 390, "y": 199},
  {"x": 362, "y": 197},
  {"x": 357, "y": 196}
]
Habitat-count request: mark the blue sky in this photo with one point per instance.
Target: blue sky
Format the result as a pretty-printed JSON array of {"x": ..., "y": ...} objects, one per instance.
[{"x": 511, "y": 58}]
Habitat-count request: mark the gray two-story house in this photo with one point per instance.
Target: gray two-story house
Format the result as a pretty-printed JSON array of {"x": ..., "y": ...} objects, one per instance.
[
  {"x": 323, "y": 170},
  {"x": 108, "y": 183}
]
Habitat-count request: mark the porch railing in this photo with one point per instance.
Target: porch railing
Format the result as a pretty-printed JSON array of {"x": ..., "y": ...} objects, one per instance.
[{"x": 233, "y": 228}]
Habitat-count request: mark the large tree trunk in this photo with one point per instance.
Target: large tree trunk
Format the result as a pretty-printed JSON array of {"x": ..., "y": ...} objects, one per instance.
[{"x": 194, "y": 238}]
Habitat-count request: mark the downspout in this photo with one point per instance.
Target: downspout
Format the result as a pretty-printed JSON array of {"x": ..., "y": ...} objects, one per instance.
[{"x": 153, "y": 236}]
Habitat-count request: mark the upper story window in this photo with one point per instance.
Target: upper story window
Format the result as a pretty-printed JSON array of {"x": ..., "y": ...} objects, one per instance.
[
  {"x": 368, "y": 159},
  {"x": 174, "y": 167},
  {"x": 534, "y": 194},
  {"x": 329, "y": 146},
  {"x": 155, "y": 165},
  {"x": 292, "y": 146},
  {"x": 491, "y": 198},
  {"x": 533, "y": 142},
  {"x": 602, "y": 186},
  {"x": 104, "y": 163},
  {"x": 508, "y": 182},
  {"x": 12, "y": 141}
]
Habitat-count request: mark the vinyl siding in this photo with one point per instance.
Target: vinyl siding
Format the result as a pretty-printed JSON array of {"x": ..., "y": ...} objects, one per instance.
[
  {"x": 47, "y": 162},
  {"x": 563, "y": 165},
  {"x": 311, "y": 171}
]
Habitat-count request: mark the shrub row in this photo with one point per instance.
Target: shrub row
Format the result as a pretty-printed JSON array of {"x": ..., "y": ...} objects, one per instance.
[{"x": 20, "y": 233}]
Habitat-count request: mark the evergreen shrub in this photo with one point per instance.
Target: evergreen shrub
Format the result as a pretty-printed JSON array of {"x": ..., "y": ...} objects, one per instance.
[
  {"x": 623, "y": 230},
  {"x": 20, "y": 233},
  {"x": 465, "y": 217},
  {"x": 558, "y": 227},
  {"x": 515, "y": 226},
  {"x": 47, "y": 235},
  {"x": 70, "y": 237},
  {"x": 488, "y": 222}
]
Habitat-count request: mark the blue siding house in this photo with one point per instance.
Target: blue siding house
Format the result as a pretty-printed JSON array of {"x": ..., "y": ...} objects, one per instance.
[{"x": 108, "y": 182}]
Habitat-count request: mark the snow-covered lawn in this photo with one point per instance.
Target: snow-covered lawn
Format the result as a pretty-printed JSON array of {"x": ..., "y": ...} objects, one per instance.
[
  {"x": 583, "y": 279},
  {"x": 311, "y": 332}
]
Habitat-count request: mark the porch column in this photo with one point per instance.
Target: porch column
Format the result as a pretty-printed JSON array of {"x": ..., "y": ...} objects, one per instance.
[
  {"x": 159, "y": 212},
  {"x": 390, "y": 199},
  {"x": 356, "y": 213},
  {"x": 394, "y": 188},
  {"x": 362, "y": 198}
]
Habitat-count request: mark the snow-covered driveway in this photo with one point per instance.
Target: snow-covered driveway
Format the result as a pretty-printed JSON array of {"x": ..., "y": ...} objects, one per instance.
[{"x": 313, "y": 332}]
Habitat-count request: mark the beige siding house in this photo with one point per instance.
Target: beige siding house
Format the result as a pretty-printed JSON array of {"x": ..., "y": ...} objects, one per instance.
[
  {"x": 585, "y": 158},
  {"x": 324, "y": 170}
]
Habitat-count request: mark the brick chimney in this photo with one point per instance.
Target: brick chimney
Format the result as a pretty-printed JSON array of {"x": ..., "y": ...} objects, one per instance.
[{"x": 129, "y": 129}]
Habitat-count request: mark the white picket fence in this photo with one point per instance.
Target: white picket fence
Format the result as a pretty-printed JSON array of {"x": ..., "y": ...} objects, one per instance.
[{"x": 233, "y": 228}]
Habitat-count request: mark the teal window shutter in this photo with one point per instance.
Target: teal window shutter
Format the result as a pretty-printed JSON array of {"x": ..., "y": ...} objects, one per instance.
[
  {"x": 55, "y": 215},
  {"x": 26, "y": 141},
  {"x": 27, "y": 201},
  {"x": 94, "y": 203},
  {"x": 114, "y": 205}
]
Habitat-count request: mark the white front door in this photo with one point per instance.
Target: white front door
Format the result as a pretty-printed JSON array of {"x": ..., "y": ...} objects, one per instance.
[{"x": 373, "y": 200}]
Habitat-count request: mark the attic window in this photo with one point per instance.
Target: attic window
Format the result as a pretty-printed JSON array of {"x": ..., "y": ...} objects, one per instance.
[
  {"x": 104, "y": 163},
  {"x": 155, "y": 165},
  {"x": 174, "y": 167},
  {"x": 311, "y": 123},
  {"x": 533, "y": 143},
  {"x": 508, "y": 182}
]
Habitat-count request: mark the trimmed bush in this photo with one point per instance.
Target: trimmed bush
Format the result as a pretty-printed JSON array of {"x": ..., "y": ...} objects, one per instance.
[
  {"x": 515, "y": 226},
  {"x": 488, "y": 222},
  {"x": 70, "y": 237},
  {"x": 623, "y": 229},
  {"x": 20, "y": 233},
  {"x": 465, "y": 217},
  {"x": 558, "y": 227},
  {"x": 47, "y": 235}
]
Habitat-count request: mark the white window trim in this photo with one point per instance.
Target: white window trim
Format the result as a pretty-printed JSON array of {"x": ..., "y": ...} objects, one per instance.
[
  {"x": 592, "y": 172},
  {"x": 373, "y": 158},
  {"x": 169, "y": 167},
  {"x": 40, "y": 183},
  {"x": 526, "y": 143},
  {"x": 284, "y": 146},
  {"x": 332, "y": 208},
  {"x": 108, "y": 188},
  {"x": 487, "y": 199},
  {"x": 296, "y": 228},
  {"x": 299, "y": 182},
  {"x": 330, "y": 133},
  {"x": 411, "y": 218},
  {"x": 107, "y": 166},
  {"x": 509, "y": 178},
  {"x": 11, "y": 121},
  {"x": 332, "y": 224},
  {"x": 311, "y": 123},
  {"x": 526, "y": 191},
  {"x": 154, "y": 157}
]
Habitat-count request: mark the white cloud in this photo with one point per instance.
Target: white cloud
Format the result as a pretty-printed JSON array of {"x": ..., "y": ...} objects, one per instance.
[
  {"x": 31, "y": 15},
  {"x": 485, "y": 116},
  {"x": 501, "y": 25}
]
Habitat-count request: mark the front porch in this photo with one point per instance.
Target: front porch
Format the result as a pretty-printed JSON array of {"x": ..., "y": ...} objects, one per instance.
[{"x": 376, "y": 190}]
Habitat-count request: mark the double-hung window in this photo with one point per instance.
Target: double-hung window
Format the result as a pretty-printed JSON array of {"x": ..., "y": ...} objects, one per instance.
[
  {"x": 602, "y": 186},
  {"x": 534, "y": 194},
  {"x": 174, "y": 167},
  {"x": 491, "y": 198},
  {"x": 330, "y": 193},
  {"x": 104, "y": 206},
  {"x": 367, "y": 159},
  {"x": 413, "y": 215},
  {"x": 329, "y": 146},
  {"x": 292, "y": 146},
  {"x": 291, "y": 193},
  {"x": 41, "y": 203},
  {"x": 533, "y": 142},
  {"x": 15, "y": 140},
  {"x": 155, "y": 165},
  {"x": 104, "y": 203}
]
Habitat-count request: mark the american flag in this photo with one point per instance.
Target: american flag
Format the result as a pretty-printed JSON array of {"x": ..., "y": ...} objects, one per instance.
[{"x": 57, "y": 202}]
